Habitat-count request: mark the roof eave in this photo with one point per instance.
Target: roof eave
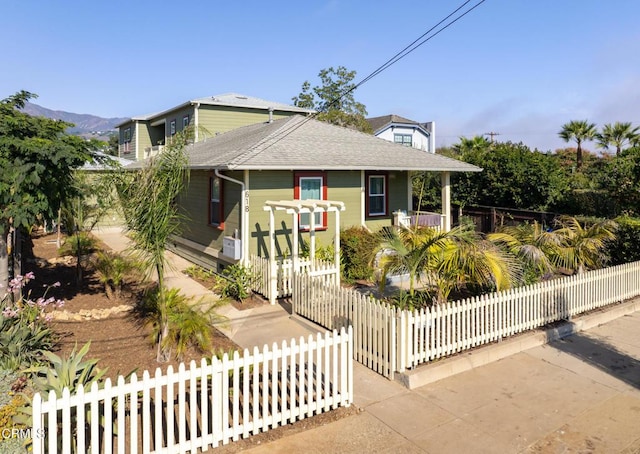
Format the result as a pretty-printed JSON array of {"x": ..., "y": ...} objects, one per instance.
[{"x": 332, "y": 167}]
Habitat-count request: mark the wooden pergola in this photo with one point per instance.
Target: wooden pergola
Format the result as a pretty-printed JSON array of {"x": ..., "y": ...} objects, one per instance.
[{"x": 296, "y": 208}]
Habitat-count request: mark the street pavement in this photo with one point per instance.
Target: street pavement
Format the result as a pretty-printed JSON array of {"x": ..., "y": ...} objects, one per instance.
[{"x": 579, "y": 394}]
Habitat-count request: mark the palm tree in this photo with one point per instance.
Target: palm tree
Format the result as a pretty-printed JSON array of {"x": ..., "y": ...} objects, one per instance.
[
  {"x": 446, "y": 260},
  {"x": 578, "y": 131},
  {"x": 618, "y": 135},
  {"x": 476, "y": 143},
  {"x": 585, "y": 244},
  {"x": 151, "y": 215},
  {"x": 534, "y": 245}
]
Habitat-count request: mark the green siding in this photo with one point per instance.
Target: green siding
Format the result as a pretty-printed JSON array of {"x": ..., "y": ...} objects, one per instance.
[
  {"x": 213, "y": 120},
  {"x": 344, "y": 186},
  {"x": 194, "y": 202},
  {"x": 144, "y": 139}
]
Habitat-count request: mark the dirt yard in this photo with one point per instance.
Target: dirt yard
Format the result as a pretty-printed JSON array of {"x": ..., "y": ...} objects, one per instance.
[{"x": 118, "y": 341}]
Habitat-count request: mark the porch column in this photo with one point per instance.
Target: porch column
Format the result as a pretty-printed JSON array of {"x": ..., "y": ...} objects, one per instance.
[
  {"x": 363, "y": 202},
  {"x": 446, "y": 201},
  {"x": 273, "y": 267}
]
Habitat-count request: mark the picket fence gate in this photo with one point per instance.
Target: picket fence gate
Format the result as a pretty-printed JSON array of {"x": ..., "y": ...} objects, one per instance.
[
  {"x": 200, "y": 407},
  {"x": 261, "y": 269},
  {"x": 389, "y": 340}
]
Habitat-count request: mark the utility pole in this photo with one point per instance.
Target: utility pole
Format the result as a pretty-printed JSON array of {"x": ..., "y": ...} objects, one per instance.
[{"x": 491, "y": 135}]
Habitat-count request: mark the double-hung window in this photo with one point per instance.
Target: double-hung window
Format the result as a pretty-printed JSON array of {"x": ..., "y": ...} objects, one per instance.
[
  {"x": 311, "y": 185},
  {"x": 376, "y": 194},
  {"x": 403, "y": 139},
  {"x": 185, "y": 122},
  {"x": 172, "y": 127},
  {"x": 215, "y": 202}
]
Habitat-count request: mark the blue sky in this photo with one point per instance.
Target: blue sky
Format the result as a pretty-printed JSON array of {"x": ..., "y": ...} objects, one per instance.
[{"x": 521, "y": 68}]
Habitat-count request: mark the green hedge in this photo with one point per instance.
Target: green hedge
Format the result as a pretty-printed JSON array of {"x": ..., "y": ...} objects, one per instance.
[
  {"x": 626, "y": 247},
  {"x": 357, "y": 248}
]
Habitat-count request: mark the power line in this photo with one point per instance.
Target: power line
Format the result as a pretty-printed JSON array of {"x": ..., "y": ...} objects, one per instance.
[{"x": 418, "y": 42}]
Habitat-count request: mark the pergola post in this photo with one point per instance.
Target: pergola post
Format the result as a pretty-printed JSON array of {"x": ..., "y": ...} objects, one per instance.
[
  {"x": 273, "y": 265},
  {"x": 336, "y": 247},
  {"x": 295, "y": 259},
  {"x": 312, "y": 239},
  {"x": 446, "y": 201}
]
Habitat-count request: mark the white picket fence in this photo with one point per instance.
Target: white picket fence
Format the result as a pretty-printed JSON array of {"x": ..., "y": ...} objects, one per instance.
[
  {"x": 389, "y": 340},
  {"x": 335, "y": 307},
  {"x": 261, "y": 267},
  {"x": 202, "y": 406}
]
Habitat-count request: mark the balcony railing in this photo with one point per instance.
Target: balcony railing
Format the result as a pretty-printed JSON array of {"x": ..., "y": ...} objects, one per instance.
[
  {"x": 418, "y": 218},
  {"x": 153, "y": 151}
]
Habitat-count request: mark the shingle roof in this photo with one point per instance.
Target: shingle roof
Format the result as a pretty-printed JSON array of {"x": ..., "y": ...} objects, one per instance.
[
  {"x": 303, "y": 143},
  {"x": 377, "y": 123}
]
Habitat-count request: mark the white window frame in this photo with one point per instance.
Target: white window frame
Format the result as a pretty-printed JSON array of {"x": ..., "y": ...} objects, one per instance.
[{"x": 383, "y": 195}]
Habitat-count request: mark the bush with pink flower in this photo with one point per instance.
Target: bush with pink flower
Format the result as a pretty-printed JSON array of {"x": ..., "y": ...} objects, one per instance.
[{"x": 24, "y": 324}]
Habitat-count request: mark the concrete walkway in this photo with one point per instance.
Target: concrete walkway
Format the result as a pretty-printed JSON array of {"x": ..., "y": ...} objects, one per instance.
[{"x": 580, "y": 394}]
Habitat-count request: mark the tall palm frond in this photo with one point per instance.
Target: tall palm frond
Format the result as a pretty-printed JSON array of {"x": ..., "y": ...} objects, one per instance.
[
  {"x": 585, "y": 243},
  {"x": 534, "y": 245}
]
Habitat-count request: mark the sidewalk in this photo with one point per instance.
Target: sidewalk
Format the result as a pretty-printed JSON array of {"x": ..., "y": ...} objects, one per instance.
[{"x": 580, "y": 394}]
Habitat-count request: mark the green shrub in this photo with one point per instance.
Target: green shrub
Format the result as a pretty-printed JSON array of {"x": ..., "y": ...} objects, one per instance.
[
  {"x": 626, "y": 247},
  {"x": 24, "y": 329},
  {"x": 357, "y": 250},
  {"x": 199, "y": 273},
  {"x": 113, "y": 269},
  {"x": 82, "y": 243},
  {"x": 66, "y": 372},
  {"x": 236, "y": 282},
  {"x": 189, "y": 324},
  {"x": 11, "y": 400}
]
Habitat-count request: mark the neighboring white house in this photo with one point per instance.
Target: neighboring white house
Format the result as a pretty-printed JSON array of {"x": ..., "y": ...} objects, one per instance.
[{"x": 395, "y": 128}]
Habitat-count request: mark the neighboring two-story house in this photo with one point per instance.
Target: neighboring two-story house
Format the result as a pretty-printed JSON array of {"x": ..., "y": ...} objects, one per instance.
[
  {"x": 143, "y": 136},
  {"x": 403, "y": 131}
]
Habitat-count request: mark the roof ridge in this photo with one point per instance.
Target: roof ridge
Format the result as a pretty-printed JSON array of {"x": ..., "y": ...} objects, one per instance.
[{"x": 255, "y": 150}]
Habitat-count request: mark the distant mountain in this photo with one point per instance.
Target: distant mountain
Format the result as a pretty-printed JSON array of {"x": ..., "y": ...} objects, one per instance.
[{"x": 85, "y": 125}]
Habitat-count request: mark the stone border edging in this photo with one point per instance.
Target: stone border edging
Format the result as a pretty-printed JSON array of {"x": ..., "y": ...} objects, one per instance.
[
  {"x": 425, "y": 374},
  {"x": 90, "y": 314}
]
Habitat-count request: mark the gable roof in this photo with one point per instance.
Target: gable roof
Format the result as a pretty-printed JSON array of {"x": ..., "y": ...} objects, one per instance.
[
  {"x": 303, "y": 143},
  {"x": 227, "y": 100},
  {"x": 379, "y": 122}
]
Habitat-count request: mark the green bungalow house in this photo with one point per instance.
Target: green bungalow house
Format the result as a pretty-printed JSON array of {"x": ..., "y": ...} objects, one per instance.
[
  {"x": 259, "y": 190},
  {"x": 143, "y": 136}
]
